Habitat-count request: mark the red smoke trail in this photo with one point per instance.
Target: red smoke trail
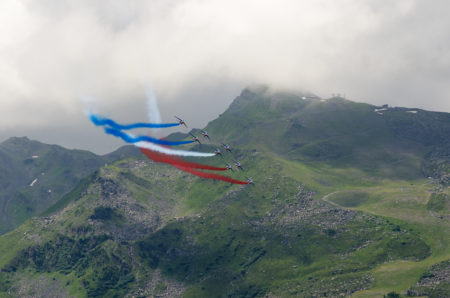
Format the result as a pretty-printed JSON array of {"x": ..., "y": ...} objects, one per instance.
[
  {"x": 210, "y": 175},
  {"x": 188, "y": 166},
  {"x": 160, "y": 157}
]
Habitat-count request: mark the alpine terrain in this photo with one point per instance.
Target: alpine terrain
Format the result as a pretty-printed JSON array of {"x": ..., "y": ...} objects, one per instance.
[{"x": 347, "y": 199}]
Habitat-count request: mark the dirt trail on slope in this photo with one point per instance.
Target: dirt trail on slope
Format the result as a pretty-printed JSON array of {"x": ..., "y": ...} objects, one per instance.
[{"x": 325, "y": 199}]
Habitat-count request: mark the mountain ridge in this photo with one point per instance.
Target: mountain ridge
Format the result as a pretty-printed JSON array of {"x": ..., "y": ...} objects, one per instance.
[
  {"x": 337, "y": 130},
  {"x": 35, "y": 175}
]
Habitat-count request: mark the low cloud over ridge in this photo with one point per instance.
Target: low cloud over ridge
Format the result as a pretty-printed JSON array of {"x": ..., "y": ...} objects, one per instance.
[{"x": 197, "y": 55}]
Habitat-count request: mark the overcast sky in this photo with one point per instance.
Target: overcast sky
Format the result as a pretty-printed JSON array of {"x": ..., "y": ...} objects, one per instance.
[{"x": 198, "y": 55}]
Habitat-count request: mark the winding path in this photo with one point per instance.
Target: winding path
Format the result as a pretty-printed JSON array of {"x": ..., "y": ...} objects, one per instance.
[{"x": 325, "y": 199}]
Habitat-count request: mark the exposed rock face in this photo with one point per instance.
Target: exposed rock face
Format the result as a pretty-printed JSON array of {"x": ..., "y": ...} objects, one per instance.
[
  {"x": 435, "y": 282},
  {"x": 126, "y": 219},
  {"x": 157, "y": 285},
  {"x": 40, "y": 286}
]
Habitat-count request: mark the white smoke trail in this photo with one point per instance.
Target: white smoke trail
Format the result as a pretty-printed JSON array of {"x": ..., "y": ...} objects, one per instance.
[
  {"x": 154, "y": 116},
  {"x": 161, "y": 149},
  {"x": 89, "y": 104}
]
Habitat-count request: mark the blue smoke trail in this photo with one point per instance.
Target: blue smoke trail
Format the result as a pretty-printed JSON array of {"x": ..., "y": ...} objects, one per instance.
[
  {"x": 101, "y": 121},
  {"x": 134, "y": 139}
]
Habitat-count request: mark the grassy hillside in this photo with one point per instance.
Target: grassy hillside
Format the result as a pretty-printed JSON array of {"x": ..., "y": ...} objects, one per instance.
[{"x": 138, "y": 221}]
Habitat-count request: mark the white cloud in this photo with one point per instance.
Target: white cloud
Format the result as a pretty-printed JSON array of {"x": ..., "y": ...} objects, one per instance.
[{"x": 53, "y": 51}]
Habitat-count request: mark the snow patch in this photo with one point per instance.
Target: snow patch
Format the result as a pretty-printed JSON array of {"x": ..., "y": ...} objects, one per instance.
[
  {"x": 412, "y": 112},
  {"x": 379, "y": 110},
  {"x": 35, "y": 156},
  {"x": 34, "y": 181}
]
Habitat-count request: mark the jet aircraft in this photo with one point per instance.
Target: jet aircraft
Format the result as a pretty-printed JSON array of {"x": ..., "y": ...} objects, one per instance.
[
  {"x": 195, "y": 138},
  {"x": 238, "y": 165},
  {"x": 205, "y": 134},
  {"x": 226, "y": 147},
  {"x": 181, "y": 121}
]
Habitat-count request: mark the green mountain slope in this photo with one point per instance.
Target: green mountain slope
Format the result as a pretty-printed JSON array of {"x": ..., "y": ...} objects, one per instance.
[
  {"x": 332, "y": 223},
  {"x": 34, "y": 176},
  {"x": 128, "y": 226},
  {"x": 393, "y": 143}
]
